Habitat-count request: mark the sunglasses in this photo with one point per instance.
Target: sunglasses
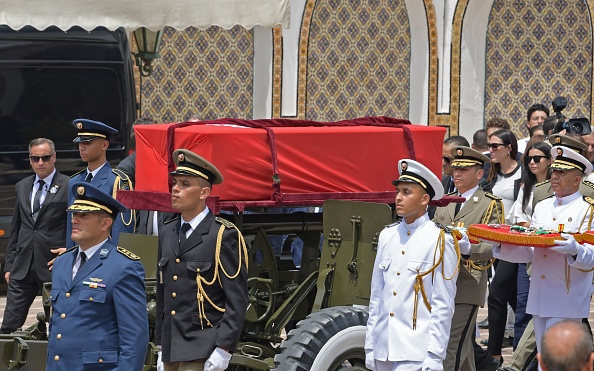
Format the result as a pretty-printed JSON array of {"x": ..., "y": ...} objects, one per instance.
[
  {"x": 535, "y": 158},
  {"x": 447, "y": 160},
  {"x": 46, "y": 158},
  {"x": 495, "y": 146}
]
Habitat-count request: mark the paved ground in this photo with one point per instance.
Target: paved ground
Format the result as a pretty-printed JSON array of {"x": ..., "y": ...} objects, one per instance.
[{"x": 37, "y": 307}]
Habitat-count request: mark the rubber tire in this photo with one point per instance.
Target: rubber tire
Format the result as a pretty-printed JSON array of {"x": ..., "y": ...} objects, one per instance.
[{"x": 321, "y": 338}]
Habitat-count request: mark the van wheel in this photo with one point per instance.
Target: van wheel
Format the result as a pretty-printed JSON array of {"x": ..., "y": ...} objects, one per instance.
[{"x": 332, "y": 339}]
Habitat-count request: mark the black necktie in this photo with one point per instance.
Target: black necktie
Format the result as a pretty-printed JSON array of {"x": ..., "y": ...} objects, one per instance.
[
  {"x": 83, "y": 260},
  {"x": 89, "y": 177},
  {"x": 182, "y": 235},
  {"x": 458, "y": 207},
  {"x": 37, "y": 200}
]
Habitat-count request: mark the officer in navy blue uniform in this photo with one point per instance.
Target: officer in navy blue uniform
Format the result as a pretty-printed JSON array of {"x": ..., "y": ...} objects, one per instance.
[
  {"x": 99, "y": 318},
  {"x": 93, "y": 141},
  {"x": 202, "y": 294}
]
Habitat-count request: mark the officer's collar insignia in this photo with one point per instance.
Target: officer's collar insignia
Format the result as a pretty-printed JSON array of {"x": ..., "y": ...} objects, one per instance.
[
  {"x": 96, "y": 279},
  {"x": 80, "y": 190},
  {"x": 475, "y": 199},
  {"x": 104, "y": 252},
  {"x": 403, "y": 166},
  {"x": 181, "y": 157},
  {"x": 79, "y": 125},
  {"x": 460, "y": 152}
]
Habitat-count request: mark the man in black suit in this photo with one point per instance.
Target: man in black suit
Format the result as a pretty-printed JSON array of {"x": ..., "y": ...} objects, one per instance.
[
  {"x": 200, "y": 256},
  {"x": 37, "y": 233}
]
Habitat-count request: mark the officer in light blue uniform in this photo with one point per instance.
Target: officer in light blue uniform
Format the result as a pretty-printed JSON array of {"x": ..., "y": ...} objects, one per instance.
[
  {"x": 99, "y": 319},
  {"x": 93, "y": 141}
]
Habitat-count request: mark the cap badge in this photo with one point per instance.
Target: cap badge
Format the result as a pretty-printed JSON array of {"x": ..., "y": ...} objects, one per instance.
[
  {"x": 403, "y": 165},
  {"x": 80, "y": 190},
  {"x": 557, "y": 140},
  {"x": 459, "y": 152},
  {"x": 79, "y": 125},
  {"x": 181, "y": 157},
  {"x": 559, "y": 152}
]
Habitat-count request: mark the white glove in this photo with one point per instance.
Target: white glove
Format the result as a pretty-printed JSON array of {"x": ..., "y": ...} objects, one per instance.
[
  {"x": 567, "y": 246},
  {"x": 369, "y": 360},
  {"x": 160, "y": 366},
  {"x": 218, "y": 360},
  {"x": 432, "y": 364},
  {"x": 464, "y": 244}
]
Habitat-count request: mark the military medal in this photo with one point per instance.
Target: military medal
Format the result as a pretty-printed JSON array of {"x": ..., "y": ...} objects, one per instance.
[{"x": 93, "y": 285}]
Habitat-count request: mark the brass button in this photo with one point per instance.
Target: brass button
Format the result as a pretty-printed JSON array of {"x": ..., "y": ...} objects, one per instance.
[
  {"x": 67, "y": 294},
  {"x": 543, "y": 276},
  {"x": 398, "y": 273},
  {"x": 198, "y": 270},
  {"x": 391, "y": 314},
  {"x": 175, "y": 278},
  {"x": 177, "y": 260},
  {"x": 100, "y": 360},
  {"x": 56, "y": 358},
  {"x": 59, "y": 336},
  {"x": 173, "y": 313},
  {"x": 173, "y": 294},
  {"x": 560, "y": 203},
  {"x": 91, "y": 298},
  {"x": 394, "y": 293},
  {"x": 408, "y": 233},
  {"x": 63, "y": 315},
  {"x": 402, "y": 252},
  {"x": 554, "y": 218}
]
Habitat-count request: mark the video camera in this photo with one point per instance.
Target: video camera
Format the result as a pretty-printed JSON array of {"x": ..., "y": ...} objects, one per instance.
[{"x": 580, "y": 126}]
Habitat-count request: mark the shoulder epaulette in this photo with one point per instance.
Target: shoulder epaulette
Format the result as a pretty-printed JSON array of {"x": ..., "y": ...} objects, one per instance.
[
  {"x": 491, "y": 195},
  {"x": 588, "y": 183},
  {"x": 589, "y": 200},
  {"x": 447, "y": 228},
  {"x": 78, "y": 172},
  {"x": 70, "y": 249},
  {"x": 454, "y": 193},
  {"x": 542, "y": 183},
  {"x": 171, "y": 220},
  {"x": 547, "y": 197},
  {"x": 128, "y": 254},
  {"x": 224, "y": 222},
  {"x": 125, "y": 181}
]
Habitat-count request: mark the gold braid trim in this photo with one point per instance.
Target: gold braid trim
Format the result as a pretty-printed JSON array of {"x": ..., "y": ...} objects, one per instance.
[
  {"x": 114, "y": 193},
  {"x": 471, "y": 265},
  {"x": 500, "y": 215},
  {"x": 200, "y": 281},
  {"x": 419, "y": 279},
  {"x": 586, "y": 235}
]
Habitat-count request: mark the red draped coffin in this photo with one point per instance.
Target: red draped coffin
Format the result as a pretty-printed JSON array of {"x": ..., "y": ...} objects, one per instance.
[{"x": 354, "y": 156}]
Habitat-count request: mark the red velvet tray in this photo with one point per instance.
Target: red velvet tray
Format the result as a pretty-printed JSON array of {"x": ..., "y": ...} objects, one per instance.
[
  {"x": 588, "y": 237},
  {"x": 503, "y": 234},
  {"x": 357, "y": 156}
]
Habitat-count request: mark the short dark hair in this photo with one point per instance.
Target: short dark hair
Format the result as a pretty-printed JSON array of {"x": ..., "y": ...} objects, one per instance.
[
  {"x": 536, "y": 107},
  {"x": 457, "y": 140},
  {"x": 40, "y": 141},
  {"x": 534, "y": 129},
  {"x": 498, "y": 122},
  {"x": 479, "y": 139},
  {"x": 549, "y": 124}
]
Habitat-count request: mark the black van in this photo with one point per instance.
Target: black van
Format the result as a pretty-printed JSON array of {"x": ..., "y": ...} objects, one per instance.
[{"x": 49, "y": 78}]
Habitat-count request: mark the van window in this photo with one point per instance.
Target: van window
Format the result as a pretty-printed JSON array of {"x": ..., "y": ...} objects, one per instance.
[{"x": 36, "y": 101}]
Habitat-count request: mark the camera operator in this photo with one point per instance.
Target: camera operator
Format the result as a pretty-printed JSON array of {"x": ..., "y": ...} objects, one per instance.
[{"x": 580, "y": 126}]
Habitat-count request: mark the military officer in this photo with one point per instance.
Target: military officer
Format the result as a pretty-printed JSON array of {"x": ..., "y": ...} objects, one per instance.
[
  {"x": 99, "y": 318},
  {"x": 202, "y": 280},
  {"x": 479, "y": 207},
  {"x": 93, "y": 141},
  {"x": 561, "y": 275},
  {"x": 414, "y": 280}
]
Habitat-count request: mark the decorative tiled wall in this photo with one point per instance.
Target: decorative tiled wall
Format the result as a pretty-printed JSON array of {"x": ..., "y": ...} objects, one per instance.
[
  {"x": 205, "y": 73},
  {"x": 537, "y": 50},
  {"x": 358, "y": 59}
]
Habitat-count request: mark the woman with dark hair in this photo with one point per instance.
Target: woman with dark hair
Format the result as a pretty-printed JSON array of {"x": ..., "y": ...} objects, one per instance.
[
  {"x": 536, "y": 162},
  {"x": 505, "y": 179}
]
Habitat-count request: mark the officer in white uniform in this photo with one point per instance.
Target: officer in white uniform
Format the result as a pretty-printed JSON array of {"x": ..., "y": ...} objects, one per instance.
[
  {"x": 561, "y": 282},
  {"x": 414, "y": 280}
]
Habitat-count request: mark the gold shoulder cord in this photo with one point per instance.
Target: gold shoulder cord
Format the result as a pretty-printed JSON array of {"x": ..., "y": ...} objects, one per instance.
[
  {"x": 501, "y": 220},
  {"x": 114, "y": 192},
  {"x": 200, "y": 281},
  {"x": 419, "y": 279},
  {"x": 567, "y": 264}
]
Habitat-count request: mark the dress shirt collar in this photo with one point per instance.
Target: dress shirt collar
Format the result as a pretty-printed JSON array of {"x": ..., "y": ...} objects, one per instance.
[
  {"x": 416, "y": 224},
  {"x": 194, "y": 222},
  {"x": 91, "y": 250},
  {"x": 47, "y": 180},
  {"x": 469, "y": 193},
  {"x": 94, "y": 172},
  {"x": 567, "y": 199}
]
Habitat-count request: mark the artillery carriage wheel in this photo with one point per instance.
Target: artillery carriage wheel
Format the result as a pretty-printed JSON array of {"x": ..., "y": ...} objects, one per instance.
[{"x": 332, "y": 339}]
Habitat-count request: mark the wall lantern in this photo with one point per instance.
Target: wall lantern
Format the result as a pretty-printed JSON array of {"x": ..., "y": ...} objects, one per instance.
[{"x": 148, "y": 43}]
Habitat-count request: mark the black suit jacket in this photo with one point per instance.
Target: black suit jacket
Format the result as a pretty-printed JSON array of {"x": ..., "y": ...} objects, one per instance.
[
  {"x": 179, "y": 330},
  {"x": 128, "y": 166},
  {"x": 30, "y": 242}
]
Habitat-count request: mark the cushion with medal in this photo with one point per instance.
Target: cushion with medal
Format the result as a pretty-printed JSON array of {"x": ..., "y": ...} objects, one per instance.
[{"x": 518, "y": 236}]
